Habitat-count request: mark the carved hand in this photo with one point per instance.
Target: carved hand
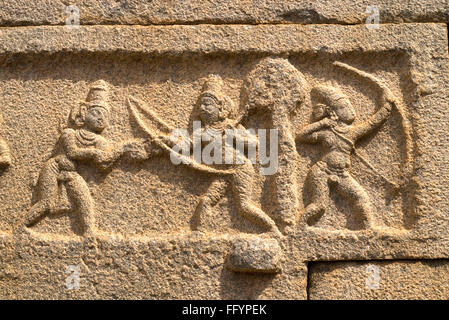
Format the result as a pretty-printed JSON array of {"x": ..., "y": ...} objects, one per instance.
[
  {"x": 328, "y": 122},
  {"x": 151, "y": 148},
  {"x": 65, "y": 176},
  {"x": 102, "y": 157},
  {"x": 245, "y": 112},
  {"x": 165, "y": 139}
]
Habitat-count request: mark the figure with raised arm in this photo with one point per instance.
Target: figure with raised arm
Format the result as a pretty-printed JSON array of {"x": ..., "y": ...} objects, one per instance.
[
  {"x": 333, "y": 128},
  {"x": 217, "y": 115}
]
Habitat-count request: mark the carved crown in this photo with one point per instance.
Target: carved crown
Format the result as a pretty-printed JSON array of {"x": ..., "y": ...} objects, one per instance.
[
  {"x": 98, "y": 95},
  {"x": 212, "y": 87}
]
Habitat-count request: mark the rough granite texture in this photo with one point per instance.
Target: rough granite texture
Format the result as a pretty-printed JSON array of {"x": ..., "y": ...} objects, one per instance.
[
  {"x": 42, "y": 12},
  {"x": 357, "y": 209},
  {"x": 407, "y": 279}
]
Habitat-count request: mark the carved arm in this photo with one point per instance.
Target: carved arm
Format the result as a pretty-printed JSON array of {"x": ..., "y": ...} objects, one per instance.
[
  {"x": 377, "y": 119},
  {"x": 310, "y": 134},
  {"x": 74, "y": 152}
]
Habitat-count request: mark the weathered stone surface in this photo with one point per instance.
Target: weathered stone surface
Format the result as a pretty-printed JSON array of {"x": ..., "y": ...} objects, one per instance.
[
  {"x": 171, "y": 267},
  {"x": 42, "y": 12},
  {"x": 255, "y": 255},
  {"x": 112, "y": 206},
  {"x": 229, "y": 39},
  {"x": 386, "y": 280}
]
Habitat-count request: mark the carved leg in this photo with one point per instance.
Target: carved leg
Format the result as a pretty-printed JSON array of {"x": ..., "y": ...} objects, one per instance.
[
  {"x": 319, "y": 192},
  {"x": 47, "y": 193},
  {"x": 242, "y": 191},
  {"x": 213, "y": 194},
  {"x": 352, "y": 190},
  {"x": 79, "y": 194},
  {"x": 36, "y": 213},
  {"x": 5, "y": 155}
]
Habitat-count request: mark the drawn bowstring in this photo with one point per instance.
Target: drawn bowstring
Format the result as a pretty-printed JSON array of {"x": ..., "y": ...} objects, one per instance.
[{"x": 363, "y": 159}]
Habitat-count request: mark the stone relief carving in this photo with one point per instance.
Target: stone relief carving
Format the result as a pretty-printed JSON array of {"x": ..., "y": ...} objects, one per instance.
[
  {"x": 152, "y": 237},
  {"x": 217, "y": 114},
  {"x": 60, "y": 187},
  {"x": 5, "y": 153},
  {"x": 273, "y": 86},
  {"x": 333, "y": 128}
]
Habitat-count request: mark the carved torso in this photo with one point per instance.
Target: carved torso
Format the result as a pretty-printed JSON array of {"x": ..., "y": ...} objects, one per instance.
[
  {"x": 338, "y": 148},
  {"x": 231, "y": 147},
  {"x": 84, "y": 139}
]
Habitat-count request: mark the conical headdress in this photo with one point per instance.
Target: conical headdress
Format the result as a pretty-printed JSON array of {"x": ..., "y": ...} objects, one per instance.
[
  {"x": 98, "y": 95},
  {"x": 212, "y": 87}
]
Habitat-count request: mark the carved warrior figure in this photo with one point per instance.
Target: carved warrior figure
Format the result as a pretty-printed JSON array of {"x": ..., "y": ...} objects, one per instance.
[
  {"x": 334, "y": 130},
  {"x": 276, "y": 87},
  {"x": 216, "y": 112},
  {"x": 5, "y": 155},
  {"x": 81, "y": 141}
]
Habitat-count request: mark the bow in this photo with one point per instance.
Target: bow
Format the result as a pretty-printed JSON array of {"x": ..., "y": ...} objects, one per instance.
[
  {"x": 185, "y": 160},
  {"x": 407, "y": 163}
]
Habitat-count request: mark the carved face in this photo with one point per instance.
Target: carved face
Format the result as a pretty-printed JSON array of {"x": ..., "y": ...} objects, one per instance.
[
  {"x": 319, "y": 111},
  {"x": 345, "y": 111},
  {"x": 96, "y": 119},
  {"x": 209, "y": 110}
]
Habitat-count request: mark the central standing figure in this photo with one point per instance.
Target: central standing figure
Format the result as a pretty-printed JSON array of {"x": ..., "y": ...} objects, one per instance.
[{"x": 217, "y": 114}]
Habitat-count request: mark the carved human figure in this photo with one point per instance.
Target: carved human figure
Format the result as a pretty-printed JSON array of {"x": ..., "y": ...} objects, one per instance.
[
  {"x": 5, "y": 154},
  {"x": 80, "y": 142},
  {"x": 217, "y": 114},
  {"x": 277, "y": 88},
  {"x": 333, "y": 128}
]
